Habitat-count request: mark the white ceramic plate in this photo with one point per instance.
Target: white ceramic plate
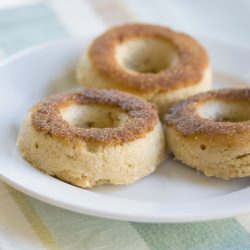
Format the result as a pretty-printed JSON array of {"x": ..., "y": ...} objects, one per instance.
[{"x": 174, "y": 193}]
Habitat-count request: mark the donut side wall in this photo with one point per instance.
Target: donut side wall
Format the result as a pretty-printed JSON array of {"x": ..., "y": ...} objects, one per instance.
[
  {"x": 87, "y": 76},
  {"x": 219, "y": 157},
  {"x": 164, "y": 100}
]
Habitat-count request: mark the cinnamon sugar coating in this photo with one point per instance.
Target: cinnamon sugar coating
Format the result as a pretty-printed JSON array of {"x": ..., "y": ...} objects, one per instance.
[
  {"x": 192, "y": 58},
  {"x": 142, "y": 117},
  {"x": 185, "y": 118}
]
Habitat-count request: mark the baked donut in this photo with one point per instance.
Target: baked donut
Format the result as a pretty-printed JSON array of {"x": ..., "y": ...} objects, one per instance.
[
  {"x": 211, "y": 132},
  {"x": 92, "y": 137},
  {"x": 151, "y": 61}
]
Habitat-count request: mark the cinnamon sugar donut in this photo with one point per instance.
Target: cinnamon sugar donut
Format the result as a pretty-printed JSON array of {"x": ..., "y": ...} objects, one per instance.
[
  {"x": 211, "y": 132},
  {"x": 151, "y": 61},
  {"x": 92, "y": 137}
]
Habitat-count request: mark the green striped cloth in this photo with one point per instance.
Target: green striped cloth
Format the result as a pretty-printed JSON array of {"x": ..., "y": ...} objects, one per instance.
[{"x": 26, "y": 223}]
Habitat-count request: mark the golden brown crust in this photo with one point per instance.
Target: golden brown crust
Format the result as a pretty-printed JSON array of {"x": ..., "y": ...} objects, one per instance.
[
  {"x": 192, "y": 58},
  {"x": 142, "y": 117},
  {"x": 185, "y": 118}
]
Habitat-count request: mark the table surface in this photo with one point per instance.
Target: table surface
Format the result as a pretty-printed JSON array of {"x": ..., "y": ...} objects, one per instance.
[{"x": 26, "y": 223}]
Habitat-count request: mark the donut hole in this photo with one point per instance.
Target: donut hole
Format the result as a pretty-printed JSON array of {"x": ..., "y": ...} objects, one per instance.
[
  {"x": 146, "y": 55},
  {"x": 227, "y": 111},
  {"x": 93, "y": 116}
]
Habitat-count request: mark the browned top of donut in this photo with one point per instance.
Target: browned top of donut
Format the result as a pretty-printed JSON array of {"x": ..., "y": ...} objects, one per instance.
[
  {"x": 192, "y": 58},
  {"x": 142, "y": 116},
  {"x": 185, "y": 118}
]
